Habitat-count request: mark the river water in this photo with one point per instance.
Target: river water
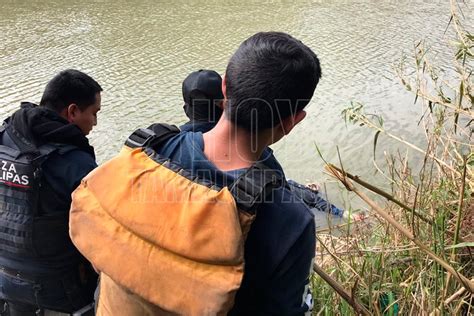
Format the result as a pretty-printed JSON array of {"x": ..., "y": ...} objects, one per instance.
[{"x": 140, "y": 51}]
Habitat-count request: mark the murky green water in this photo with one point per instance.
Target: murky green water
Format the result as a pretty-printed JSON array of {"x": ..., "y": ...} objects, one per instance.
[{"x": 140, "y": 51}]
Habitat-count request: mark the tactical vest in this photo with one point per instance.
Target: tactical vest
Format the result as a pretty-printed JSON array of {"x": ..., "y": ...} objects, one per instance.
[
  {"x": 25, "y": 231},
  {"x": 165, "y": 242}
]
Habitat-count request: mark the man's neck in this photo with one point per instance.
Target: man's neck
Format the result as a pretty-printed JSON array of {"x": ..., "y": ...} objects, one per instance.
[{"x": 229, "y": 147}]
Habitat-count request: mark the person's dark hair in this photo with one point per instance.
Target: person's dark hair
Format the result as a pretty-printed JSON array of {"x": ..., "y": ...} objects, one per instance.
[
  {"x": 70, "y": 86},
  {"x": 270, "y": 77}
]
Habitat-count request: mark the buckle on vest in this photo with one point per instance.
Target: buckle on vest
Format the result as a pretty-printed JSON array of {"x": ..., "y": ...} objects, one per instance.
[
  {"x": 254, "y": 187},
  {"x": 140, "y": 138}
]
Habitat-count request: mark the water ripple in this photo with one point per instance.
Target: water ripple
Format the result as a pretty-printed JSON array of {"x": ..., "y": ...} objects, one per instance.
[{"x": 141, "y": 51}]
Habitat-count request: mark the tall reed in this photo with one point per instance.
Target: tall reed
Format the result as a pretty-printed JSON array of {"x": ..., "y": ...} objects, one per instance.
[{"x": 413, "y": 254}]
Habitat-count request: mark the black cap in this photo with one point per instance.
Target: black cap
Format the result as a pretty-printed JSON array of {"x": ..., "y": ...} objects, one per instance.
[{"x": 202, "y": 84}]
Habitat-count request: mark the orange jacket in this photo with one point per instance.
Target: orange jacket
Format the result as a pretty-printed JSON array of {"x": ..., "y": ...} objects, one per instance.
[{"x": 164, "y": 243}]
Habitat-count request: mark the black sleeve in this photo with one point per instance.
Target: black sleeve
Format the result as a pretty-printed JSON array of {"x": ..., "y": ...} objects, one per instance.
[{"x": 65, "y": 172}]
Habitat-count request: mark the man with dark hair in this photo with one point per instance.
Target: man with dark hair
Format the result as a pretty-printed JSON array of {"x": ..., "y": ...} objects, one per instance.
[
  {"x": 75, "y": 96},
  {"x": 268, "y": 82},
  {"x": 279, "y": 84},
  {"x": 44, "y": 154},
  {"x": 202, "y": 95}
]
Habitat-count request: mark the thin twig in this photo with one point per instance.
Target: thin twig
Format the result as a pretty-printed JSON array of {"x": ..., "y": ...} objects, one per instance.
[
  {"x": 461, "y": 278},
  {"x": 389, "y": 197}
]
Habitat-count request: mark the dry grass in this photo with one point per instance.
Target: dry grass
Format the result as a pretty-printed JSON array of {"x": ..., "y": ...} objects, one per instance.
[{"x": 414, "y": 256}]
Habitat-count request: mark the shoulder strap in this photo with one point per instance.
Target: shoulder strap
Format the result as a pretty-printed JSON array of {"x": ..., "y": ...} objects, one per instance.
[
  {"x": 254, "y": 187},
  {"x": 61, "y": 149},
  {"x": 27, "y": 147},
  {"x": 4, "y": 148},
  {"x": 249, "y": 189},
  {"x": 152, "y": 136},
  {"x": 46, "y": 149},
  {"x": 24, "y": 146},
  {"x": 43, "y": 153}
]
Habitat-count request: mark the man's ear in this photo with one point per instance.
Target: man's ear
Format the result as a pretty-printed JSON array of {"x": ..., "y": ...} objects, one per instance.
[
  {"x": 224, "y": 87},
  {"x": 223, "y": 103},
  {"x": 291, "y": 121},
  {"x": 72, "y": 112}
]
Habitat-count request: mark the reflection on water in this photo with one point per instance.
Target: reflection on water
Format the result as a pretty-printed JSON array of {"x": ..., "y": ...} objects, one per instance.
[{"x": 140, "y": 51}]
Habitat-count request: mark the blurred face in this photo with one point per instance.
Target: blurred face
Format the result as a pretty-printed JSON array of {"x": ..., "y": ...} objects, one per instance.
[{"x": 87, "y": 118}]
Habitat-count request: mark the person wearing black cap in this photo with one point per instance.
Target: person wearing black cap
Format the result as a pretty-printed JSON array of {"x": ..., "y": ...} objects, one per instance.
[{"x": 202, "y": 94}]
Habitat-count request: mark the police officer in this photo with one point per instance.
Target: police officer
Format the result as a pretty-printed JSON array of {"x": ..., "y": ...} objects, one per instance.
[{"x": 44, "y": 154}]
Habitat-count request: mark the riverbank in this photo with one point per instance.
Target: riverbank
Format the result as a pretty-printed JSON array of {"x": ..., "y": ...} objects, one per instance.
[{"x": 414, "y": 255}]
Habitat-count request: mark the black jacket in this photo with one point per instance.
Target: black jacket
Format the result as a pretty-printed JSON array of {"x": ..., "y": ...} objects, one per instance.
[{"x": 62, "y": 173}]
